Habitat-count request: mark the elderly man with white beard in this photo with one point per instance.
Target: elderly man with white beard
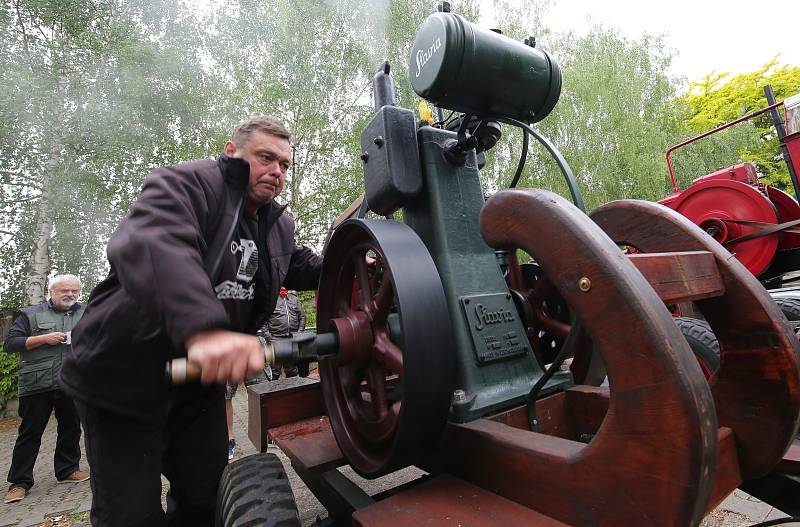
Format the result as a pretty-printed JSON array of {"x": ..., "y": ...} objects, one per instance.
[{"x": 40, "y": 334}]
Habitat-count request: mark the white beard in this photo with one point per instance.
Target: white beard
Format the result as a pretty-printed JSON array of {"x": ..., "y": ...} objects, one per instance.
[{"x": 66, "y": 304}]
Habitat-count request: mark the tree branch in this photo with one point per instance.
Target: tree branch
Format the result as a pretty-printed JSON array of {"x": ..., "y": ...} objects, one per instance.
[
  {"x": 23, "y": 185},
  {"x": 32, "y": 198},
  {"x": 20, "y": 176},
  {"x": 24, "y": 35}
]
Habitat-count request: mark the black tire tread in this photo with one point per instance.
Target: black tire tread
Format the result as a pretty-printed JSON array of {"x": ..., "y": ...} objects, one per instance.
[
  {"x": 255, "y": 492},
  {"x": 701, "y": 339},
  {"x": 790, "y": 307}
]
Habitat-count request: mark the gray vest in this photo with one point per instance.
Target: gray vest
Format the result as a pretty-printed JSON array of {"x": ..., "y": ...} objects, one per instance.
[{"x": 39, "y": 367}]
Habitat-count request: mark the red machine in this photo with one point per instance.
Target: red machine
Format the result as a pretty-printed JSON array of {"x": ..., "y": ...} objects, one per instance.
[{"x": 756, "y": 222}]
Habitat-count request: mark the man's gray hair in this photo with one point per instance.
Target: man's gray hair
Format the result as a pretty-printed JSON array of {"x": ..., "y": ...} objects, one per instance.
[
  {"x": 265, "y": 123},
  {"x": 59, "y": 278}
]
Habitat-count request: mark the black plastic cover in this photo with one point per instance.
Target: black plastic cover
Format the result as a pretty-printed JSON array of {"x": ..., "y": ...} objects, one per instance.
[{"x": 392, "y": 174}]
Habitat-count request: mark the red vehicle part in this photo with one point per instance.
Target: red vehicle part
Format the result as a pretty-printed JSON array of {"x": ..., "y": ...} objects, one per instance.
[
  {"x": 743, "y": 173},
  {"x": 727, "y": 211},
  {"x": 792, "y": 143},
  {"x": 713, "y": 202},
  {"x": 788, "y": 210},
  {"x": 710, "y": 132}
]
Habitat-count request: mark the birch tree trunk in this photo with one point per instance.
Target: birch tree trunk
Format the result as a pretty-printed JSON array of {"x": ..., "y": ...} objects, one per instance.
[{"x": 39, "y": 265}]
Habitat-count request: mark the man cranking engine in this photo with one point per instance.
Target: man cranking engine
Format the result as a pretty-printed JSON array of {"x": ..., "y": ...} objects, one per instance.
[{"x": 196, "y": 266}]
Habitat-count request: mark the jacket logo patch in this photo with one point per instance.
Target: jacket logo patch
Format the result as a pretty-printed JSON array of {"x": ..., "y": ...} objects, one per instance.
[
  {"x": 248, "y": 265},
  {"x": 234, "y": 290}
]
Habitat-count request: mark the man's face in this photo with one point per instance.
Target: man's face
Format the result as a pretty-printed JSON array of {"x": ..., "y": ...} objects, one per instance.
[
  {"x": 65, "y": 294},
  {"x": 269, "y": 157}
]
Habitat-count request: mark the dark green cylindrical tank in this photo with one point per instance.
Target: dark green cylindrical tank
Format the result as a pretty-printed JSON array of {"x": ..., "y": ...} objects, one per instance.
[{"x": 460, "y": 66}]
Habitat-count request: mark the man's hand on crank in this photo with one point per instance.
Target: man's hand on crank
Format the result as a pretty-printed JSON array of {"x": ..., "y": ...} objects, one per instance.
[{"x": 225, "y": 355}]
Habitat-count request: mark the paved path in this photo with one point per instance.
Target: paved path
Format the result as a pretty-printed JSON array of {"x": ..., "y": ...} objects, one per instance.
[{"x": 49, "y": 499}]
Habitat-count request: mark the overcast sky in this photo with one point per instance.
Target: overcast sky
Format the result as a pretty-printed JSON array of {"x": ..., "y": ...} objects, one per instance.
[{"x": 708, "y": 34}]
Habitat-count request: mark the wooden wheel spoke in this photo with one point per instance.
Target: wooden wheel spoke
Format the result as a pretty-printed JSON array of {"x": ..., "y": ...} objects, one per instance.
[
  {"x": 543, "y": 289},
  {"x": 384, "y": 299},
  {"x": 552, "y": 326},
  {"x": 351, "y": 382},
  {"x": 376, "y": 380},
  {"x": 363, "y": 281},
  {"x": 389, "y": 354},
  {"x": 388, "y": 424}
]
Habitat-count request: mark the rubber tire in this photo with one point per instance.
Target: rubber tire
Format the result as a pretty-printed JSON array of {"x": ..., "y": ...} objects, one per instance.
[
  {"x": 702, "y": 340},
  {"x": 790, "y": 307},
  {"x": 254, "y": 491}
]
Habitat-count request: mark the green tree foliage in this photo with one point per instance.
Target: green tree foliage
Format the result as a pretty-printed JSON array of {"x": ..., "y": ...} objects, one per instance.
[
  {"x": 613, "y": 121},
  {"x": 8, "y": 376},
  {"x": 720, "y": 98},
  {"x": 94, "y": 93}
]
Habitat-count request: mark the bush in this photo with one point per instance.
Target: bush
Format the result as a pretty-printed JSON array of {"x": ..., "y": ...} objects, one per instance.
[{"x": 8, "y": 376}]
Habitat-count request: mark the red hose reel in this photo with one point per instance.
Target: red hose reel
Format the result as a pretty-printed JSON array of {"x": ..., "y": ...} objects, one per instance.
[{"x": 729, "y": 209}]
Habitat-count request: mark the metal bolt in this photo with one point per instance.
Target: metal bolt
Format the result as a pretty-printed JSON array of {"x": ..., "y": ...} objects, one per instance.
[
  {"x": 466, "y": 300},
  {"x": 459, "y": 397},
  {"x": 584, "y": 284},
  {"x": 364, "y": 157},
  {"x": 378, "y": 141}
]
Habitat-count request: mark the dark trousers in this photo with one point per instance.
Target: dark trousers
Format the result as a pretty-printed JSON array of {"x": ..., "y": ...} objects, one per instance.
[
  {"x": 35, "y": 412},
  {"x": 128, "y": 456}
]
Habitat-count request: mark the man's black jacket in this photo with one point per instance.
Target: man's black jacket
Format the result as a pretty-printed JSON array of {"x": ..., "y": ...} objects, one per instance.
[{"x": 165, "y": 255}]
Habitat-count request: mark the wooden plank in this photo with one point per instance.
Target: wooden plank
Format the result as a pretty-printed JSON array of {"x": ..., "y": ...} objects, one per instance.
[
  {"x": 275, "y": 403},
  {"x": 726, "y": 475},
  {"x": 569, "y": 414},
  {"x": 681, "y": 276},
  {"x": 550, "y": 414},
  {"x": 309, "y": 443},
  {"x": 447, "y": 501},
  {"x": 790, "y": 463},
  {"x": 612, "y": 481},
  {"x": 586, "y": 408}
]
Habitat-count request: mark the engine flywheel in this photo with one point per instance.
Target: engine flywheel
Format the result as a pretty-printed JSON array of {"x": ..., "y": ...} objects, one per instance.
[{"x": 388, "y": 390}]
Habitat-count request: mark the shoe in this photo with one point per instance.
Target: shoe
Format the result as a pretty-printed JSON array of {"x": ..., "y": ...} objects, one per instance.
[
  {"x": 231, "y": 448},
  {"x": 76, "y": 477},
  {"x": 15, "y": 494}
]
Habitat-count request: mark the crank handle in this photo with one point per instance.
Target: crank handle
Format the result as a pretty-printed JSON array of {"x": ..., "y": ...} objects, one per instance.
[{"x": 301, "y": 347}]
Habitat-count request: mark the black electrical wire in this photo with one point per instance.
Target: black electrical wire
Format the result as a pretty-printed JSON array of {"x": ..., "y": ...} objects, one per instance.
[
  {"x": 778, "y": 521},
  {"x": 572, "y": 183},
  {"x": 569, "y": 177},
  {"x": 563, "y": 353},
  {"x": 443, "y": 120},
  {"x": 462, "y": 129},
  {"x": 522, "y": 158},
  {"x": 450, "y": 118}
]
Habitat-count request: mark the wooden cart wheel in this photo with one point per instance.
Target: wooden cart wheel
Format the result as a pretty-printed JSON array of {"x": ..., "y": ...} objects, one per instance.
[
  {"x": 757, "y": 388},
  {"x": 656, "y": 448}
]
